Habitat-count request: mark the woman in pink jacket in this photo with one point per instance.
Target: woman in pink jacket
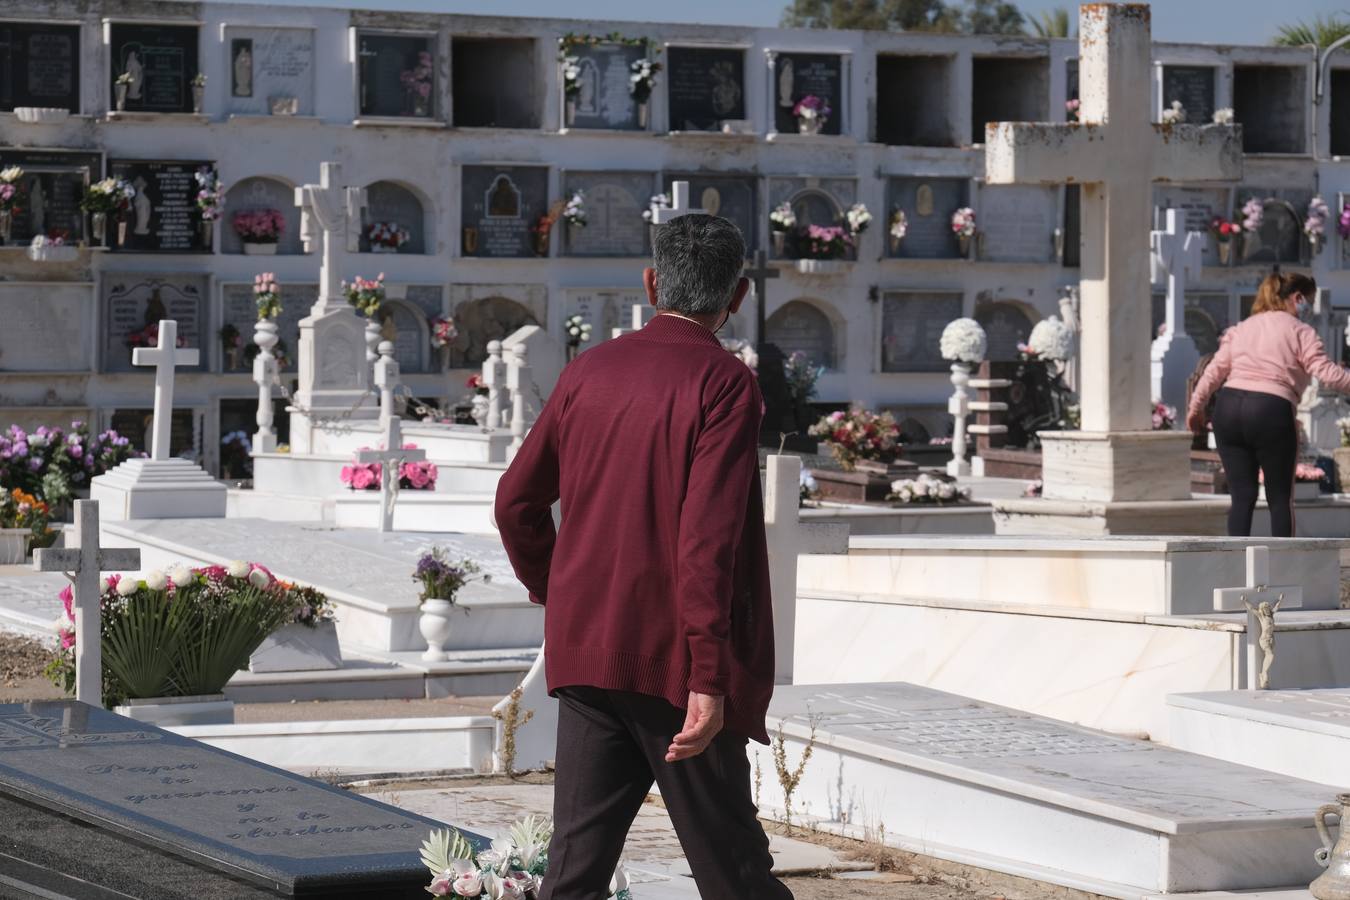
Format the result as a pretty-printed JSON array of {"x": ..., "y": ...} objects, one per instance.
[{"x": 1260, "y": 372}]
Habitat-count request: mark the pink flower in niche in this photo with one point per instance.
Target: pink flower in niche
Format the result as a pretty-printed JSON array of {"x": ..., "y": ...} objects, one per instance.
[{"x": 363, "y": 478}]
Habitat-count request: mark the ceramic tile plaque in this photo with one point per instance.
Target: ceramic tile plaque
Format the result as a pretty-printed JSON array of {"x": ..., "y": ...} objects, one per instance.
[{"x": 911, "y": 326}]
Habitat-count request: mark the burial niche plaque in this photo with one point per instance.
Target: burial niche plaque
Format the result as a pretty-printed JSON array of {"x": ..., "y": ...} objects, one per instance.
[
  {"x": 163, "y": 216},
  {"x": 705, "y": 87},
  {"x": 614, "y": 205},
  {"x": 911, "y": 328},
  {"x": 1017, "y": 222},
  {"x": 270, "y": 71},
  {"x": 397, "y": 74},
  {"x": 1199, "y": 205},
  {"x": 238, "y": 308},
  {"x": 732, "y": 197},
  {"x": 604, "y": 100},
  {"x": 39, "y": 65},
  {"x": 501, "y": 205},
  {"x": 798, "y": 75},
  {"x": 1194, "y": 87},
  {"x": 223, "y": 814},
  {"x": 53, "y": 183},
  {"x": 928, "y": 204},
  {"x": 134, "y": 304},
  {"x": 160, "y": 62}
]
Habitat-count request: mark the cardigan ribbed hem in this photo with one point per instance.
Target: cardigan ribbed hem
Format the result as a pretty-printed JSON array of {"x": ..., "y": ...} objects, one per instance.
[{"x": 615, "y": 670}]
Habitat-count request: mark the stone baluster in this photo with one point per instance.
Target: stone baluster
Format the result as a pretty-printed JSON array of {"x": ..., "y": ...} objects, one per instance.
[
  {"x": 494, "y": 379},
  {"x": 991, "y": 412},
  {"x": 387, "y": 379},
  {"x": 265, "y": 372},
  {"x": 373, "y": 338},
  {"x": 959, "y": 406},
  {"x": 518, "y": 382}
]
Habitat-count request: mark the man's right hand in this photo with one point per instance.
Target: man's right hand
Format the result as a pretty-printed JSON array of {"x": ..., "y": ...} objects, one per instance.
[{"x": 701, "y": 724}]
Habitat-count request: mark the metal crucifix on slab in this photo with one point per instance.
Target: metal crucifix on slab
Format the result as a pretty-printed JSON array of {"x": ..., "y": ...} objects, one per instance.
[{"x": 1261, "y": 600}]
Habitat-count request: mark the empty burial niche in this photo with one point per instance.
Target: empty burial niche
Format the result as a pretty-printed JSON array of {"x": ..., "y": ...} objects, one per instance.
[
  {"x": 1340, "y": 112},
  {"x": 494, "y": 83},
  {"x": 913, "y": 102},
  {"x": 1270, "y": 104},
  {"x": 1008, "y": 90}
]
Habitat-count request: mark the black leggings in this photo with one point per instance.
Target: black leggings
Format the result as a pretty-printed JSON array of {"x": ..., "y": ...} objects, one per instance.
[{"x": 1256, "y": 431}]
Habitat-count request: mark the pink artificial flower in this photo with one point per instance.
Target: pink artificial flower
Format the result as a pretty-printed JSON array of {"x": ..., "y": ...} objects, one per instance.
[
  {"x": 364, "y": 478},
  {"x": 440, "y": 885}
]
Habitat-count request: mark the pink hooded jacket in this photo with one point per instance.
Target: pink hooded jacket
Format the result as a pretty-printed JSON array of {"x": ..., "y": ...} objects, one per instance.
[{"x": 1271, "y": 353}]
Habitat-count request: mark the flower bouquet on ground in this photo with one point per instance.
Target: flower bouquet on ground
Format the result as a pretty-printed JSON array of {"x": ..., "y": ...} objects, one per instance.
[
  {"x": 927, "y": 489},
  {"x": 365, "y": 295},
  {"x": 21, "y": 511},
  {"x": 860, "y": 435},
  {"x": 512, "y": 868},
  {"x": 442, "y": 579},
  {"x": 49, "y": 463},
  {"x": 310, "y": 606},
  {"x": 386, "y": 237}
]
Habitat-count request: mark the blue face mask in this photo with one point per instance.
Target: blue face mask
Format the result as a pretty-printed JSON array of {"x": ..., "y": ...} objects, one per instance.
[{"x": 1302, "y": 309}]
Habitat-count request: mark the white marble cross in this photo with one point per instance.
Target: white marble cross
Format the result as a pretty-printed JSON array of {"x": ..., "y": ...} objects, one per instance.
[
  {"x": 389, "y": 460},
  {"x": 679, "y": 193},
  {"x": 1116, "y": 153},
  {"x": 1261, "y": 600},
  {"x": 336, "y": 210},
  {"x": 83, "y": 561},
  {"x": 1176, "y": 255},
  {"x": 164, "y": 356}
]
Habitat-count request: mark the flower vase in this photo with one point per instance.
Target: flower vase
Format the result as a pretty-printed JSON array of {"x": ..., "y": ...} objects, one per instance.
[
  {"x": 121, "y": 232},
  {"x": 779, "y": 242},
  {"x": 541, "y": 243},
  {"x": 809, "y": 125},
  {"x": 571, "y": 112},
  {"x": 120, "y": 94},
  {"x": 13, "y": 545},
  {"x": 98, "y": 224},
  {"x": 198, "y": 94},
  {"x": 642, "y": 114},
  {"x": 232, "y": 359},
  {"x": 895, "y": 244},
  {"x": 470, "y": 240},
  {"x": 382, "y": 248},
  {"x": 1225, "y": 253},
  {"x": 6, "y": 224},
  {"x": 208, "y": 232},
  {"x": 257, "y": 249},
  {"x": 434, "y": 623},
  {"x": 1334, "y": 856},
  {"x": 421, "y": 106},
  {"x": 963, "y": 241},
  {"x": 1315, "y": 242}
]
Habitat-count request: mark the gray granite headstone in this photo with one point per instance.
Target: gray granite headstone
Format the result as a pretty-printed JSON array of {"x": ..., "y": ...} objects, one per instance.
[
  {"x": 390, "y": 202},
  {"x": 798, "y": 75},
  {"x": 499, "y": 208},
  {"x": 382, "y": 62},
  {"x": 162, "y": 60},
  {"x": 732, "y": 197},
  {"x": 54, "y": 335},
  {"x": 255, "y": 194},
  {"x": 1194, "y": 87},
  {"x": 614, "y": 205},
  {"x": 267, "y": 66},
  {"x": 1270, "y": 103},
  {"x": 705, "y": 86},
  {"x": 134, "y": 300},
  {"x": 39, "y": 65},
  {"x": 911, "y": 327},
  {"x": 1018, "y": 222},
  {"x": 163, "y": 217},
  {"x": 928, "y": 204},
  {"x": 603, "y": 100},
  {"x": 54, "y": 182},
  {"x": 1008, "y": 90},
  {"x": 162, "y": 796},
  {"x": 800, "y": 327},
  {"x": 912, "y": 106}
]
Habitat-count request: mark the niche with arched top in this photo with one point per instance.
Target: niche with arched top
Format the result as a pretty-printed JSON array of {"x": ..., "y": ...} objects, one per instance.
[
  {"x": 391, "y": 206},
  {"x": 481, "y": 321},
  {"x": 247, "y": 204},
  {"x": 1006, "y": 325},
  {"x": 801, "y": 326}
]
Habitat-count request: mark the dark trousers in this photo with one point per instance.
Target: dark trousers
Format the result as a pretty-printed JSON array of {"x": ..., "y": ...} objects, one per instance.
[
  {"x": 1256, "y": 432},
  {"x": 611, "y": 747}
]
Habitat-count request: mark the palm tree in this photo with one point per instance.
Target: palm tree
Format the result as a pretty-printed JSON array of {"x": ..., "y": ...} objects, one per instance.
[
  {"x": 1321, "y": 33},
  {"x": 1053, "y": 23}
]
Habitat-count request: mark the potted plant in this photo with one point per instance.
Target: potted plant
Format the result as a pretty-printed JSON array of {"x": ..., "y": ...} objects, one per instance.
[
  {"x": 386, "y": 237},
  {"x": 198, "y": 92},
  {"x": 210, "y": 203},
  {"x": 9, "y": 200},
  {"x": 417, "y": 83},
  {"x": 365, "y": 295},
  {"x": 963, "y": 226},
  {"x": 23, "y": 520},
  {"x": 102, "y": 198},
  {"x": 812, "y": 113},
  {"x": 259, "y": 230},
  {"x": 1315, "y": 223},
  {"x": 641, "y": 82},
  {"x": 899, "y": 227},
  {"x": 441, "y": 581},
  {"x": 307, "y": 642},
  {"x": 1224, "y": 232},
  {"x": 120, "y": 88},
  {"x": 782, "y": 220}
]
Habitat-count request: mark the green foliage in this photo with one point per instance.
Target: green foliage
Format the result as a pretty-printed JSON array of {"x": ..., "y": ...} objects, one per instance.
[
  {"x": 219, "y": 637},
  {"x": 992, "y": 17},
  {"x": 1322, "y": 32},
  {"x": 969, "y": 16},
  {"x": 140, "y": 645},
  {"x": 1053, "y": 23}
]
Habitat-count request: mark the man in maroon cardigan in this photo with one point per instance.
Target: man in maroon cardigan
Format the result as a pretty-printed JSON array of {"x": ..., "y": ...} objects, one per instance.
[{"x": 659, "y": 622}]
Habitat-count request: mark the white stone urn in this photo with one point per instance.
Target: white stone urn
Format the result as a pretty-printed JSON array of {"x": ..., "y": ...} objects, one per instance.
[
  {"x": 434, "y": 623},
  {"x": 13, "y": 546}
]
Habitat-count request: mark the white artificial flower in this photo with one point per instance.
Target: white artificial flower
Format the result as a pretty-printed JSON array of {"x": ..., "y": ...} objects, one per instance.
[
  {"x": 155, "y": 580},
  {"x": 179, "y": 574},
  {"x": 1052, "y": 339},
  {"x": 964, "y": 340},
  {"x": 12, "y": 174},
  {"x": 1224, "y": 116},
  {"x": 237, "y": 568},
  {"x": 64, "y": 624},
  {"x": 106, "y": 584},
  {"x": 258, "y": 578},
  {"x": 127, "y": 586},
  {"x": 1176, "y": 115}
]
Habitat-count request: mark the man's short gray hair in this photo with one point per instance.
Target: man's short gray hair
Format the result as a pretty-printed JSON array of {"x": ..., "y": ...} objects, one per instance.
[{"x": 698, "y": 262}]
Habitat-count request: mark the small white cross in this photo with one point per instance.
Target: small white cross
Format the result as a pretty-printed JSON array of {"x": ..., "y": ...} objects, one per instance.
[
  {"x": 389, "y": 459},
  {"x": 83, "y": 561},
  {"x": 1176, "y": 256},
  {"x": 1258, "y": 597},
  {"x": 164, "y": 356},
  {"x": 679, "y": 192}
]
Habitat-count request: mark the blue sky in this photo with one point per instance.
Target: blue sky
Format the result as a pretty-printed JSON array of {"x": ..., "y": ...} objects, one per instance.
[{"x": 1205, "y": 21}]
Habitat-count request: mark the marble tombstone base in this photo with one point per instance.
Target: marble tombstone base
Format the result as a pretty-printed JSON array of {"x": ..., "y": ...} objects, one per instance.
[{"x": 158, "y": 489}]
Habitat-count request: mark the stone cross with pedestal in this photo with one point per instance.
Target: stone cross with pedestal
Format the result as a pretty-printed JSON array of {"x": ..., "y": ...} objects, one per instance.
[
  {"x": 1176, "y": 256},
  {"x": 334, "y": 375},
  {"x": 161, "y": 487},
  {"x": 1261, "y": 600},
  {"x": 84, "y": 561},
  {"x": 1116, "y": 153}
]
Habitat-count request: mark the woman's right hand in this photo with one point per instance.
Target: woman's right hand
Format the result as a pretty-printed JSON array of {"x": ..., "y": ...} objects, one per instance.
[{"x": 1195, "y": 421}]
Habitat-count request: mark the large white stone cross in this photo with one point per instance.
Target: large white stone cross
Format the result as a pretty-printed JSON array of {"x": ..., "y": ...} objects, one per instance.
[
  {"x": 1116, "y": 153},
  {"x": 1177, "y": 255},
  {"x": 1261, "y": 600},
  {"x": 164, "y": 356},
  {"x": 679, "y": 195},
  {"x": 83, "y": 561},
  {"x": 336, "y": 210}
]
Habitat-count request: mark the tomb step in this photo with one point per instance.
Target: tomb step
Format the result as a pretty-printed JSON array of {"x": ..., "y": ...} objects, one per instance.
[
  {"x": 1099, "y": 668},
  {"x": 1304, "y": 733},
  {"x": 418, "y": 511},
  {"x": 319, "y": 475},
  {"x": 984, "y": 785},
  {"x": 241, "y": 503}
]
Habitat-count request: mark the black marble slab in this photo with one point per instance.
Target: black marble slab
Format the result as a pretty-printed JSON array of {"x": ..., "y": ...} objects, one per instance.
[{"x": 216, "y": 811}]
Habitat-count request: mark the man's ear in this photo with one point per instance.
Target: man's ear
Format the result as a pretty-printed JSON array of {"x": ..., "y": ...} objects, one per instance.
[
  {"x": 742, "y": 288},
  {"x": 649, "y": 283}
]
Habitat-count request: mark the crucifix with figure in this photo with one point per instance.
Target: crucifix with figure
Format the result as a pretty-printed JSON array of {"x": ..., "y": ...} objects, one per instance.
[
  {"x": 394, "y": 454},
  {"x": 1177, "y": 255},
  {"x": 1261, "y": 600},
  {"x": 1116, "y": 153},
  {"x": 83, "y": 561}
]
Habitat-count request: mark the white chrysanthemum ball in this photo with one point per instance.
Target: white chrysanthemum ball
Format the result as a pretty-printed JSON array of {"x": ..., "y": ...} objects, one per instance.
[
  {"x": 1052, "y": 339},
  {"x": 963, "y": 340}
]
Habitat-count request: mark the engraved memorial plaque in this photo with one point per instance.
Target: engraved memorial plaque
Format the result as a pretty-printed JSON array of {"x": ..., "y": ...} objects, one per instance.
[
  {"x": 798, "y": 75},
  {"x": 161, "y": 61},
  {"x": 1017, "y": 222},
  {"x": 911, "y": 327},
  {"x": 500, "y": 207},
  {"x": 39, "y": 65},
  {"x": 271, "y": 71},
  {"x": 53, "y": 184},
  {"x": 1194, "y": 87},
  {"x": 238, "y": 308},
  {"x": 1199, "y": 205},
  {"x": 732, "y": 197},
  {"x": 614, "y": 205},
  {"x": 54, "y": 335},
  {"x": 1005, "y": 325},
  {"x": 604, "y": 100},
  {"x": 163, "y": 217},
  {"x": 928, "y": 204},
  {"x": 705, "y": 87},
  {"x": 133, "y": 302},
  {"x": 801, "y": 327}
]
